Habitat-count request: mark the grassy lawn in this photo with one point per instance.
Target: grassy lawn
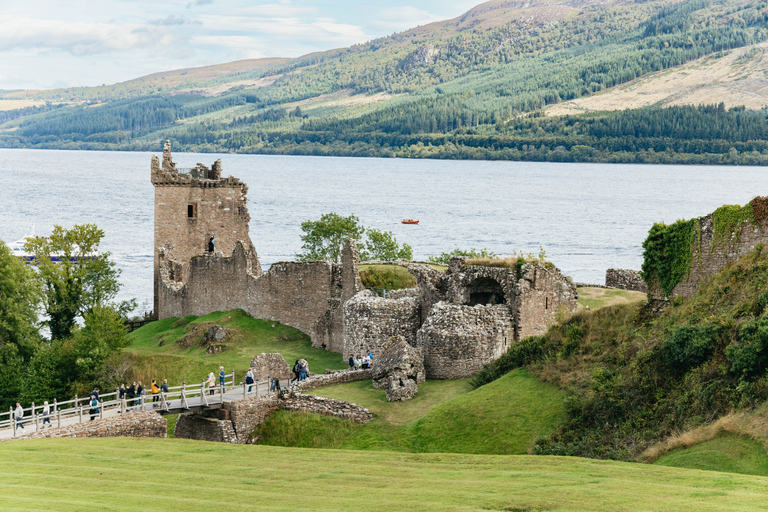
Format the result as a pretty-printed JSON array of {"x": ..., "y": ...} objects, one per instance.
[
  {"x": 727, "y": 452},
  {"x": 179, "y": 475},
  {"x": 596, "y": 298},
  {"x": 154, "y": 353},
  {"x": 503, "y": 417}
]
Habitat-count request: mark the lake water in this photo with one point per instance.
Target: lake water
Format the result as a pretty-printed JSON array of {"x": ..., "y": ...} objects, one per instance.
[{"x": 587, "y": 217}]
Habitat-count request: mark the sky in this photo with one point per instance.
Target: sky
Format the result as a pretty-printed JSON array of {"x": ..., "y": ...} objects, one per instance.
[{"x": 47, "y": 44}]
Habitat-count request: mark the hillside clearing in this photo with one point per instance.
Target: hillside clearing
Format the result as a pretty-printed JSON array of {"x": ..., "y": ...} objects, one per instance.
[
  {"x": 596, "y": 298},
  {"x": 727, "y": 452},
  {"x": 162, "y": 474}
]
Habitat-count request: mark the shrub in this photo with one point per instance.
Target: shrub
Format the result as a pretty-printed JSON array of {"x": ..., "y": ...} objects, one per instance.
[
  {"x": 749, "y": 354},
  {"x": 689, "y": 346}
]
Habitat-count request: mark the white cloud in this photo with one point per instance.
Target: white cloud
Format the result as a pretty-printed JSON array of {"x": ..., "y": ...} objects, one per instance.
[{"x": 78, "y": 38}]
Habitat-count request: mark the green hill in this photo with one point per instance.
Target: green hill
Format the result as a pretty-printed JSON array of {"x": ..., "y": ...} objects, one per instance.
[
  {"x": 157, "y": 474},
  {"x": 472, "y": 87},
  {"x": 171, "y": 348},
  {"x": 504, "y": 417},
  {"x": 728, "y": 453}
]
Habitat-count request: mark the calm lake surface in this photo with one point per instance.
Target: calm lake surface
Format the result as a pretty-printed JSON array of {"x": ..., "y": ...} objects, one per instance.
[{"x": 587, "y": 217}]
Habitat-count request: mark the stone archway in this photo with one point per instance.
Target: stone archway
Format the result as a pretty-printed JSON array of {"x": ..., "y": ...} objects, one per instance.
[{"x": 485, "y": 291}]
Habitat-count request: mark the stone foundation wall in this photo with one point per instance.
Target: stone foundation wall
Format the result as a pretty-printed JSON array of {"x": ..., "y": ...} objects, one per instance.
[
  {"x": 200, "y": 428},
  {"x": 370, "y": 322},
  {"x": 323, "y": 380},
  {"x": 625, "y": 279},
  {"x": 327, "y": 407},
  {"x": 132, "y": 424},
  {"x": 457, "y": 341}
]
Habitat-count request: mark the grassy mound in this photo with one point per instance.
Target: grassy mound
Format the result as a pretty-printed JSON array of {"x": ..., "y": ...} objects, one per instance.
[
  {"x": 124, "y": 474},
  {"x": 505, "y": 417},
  {"x": 728, "y": 452},
  {"x": 391, "y": 277},
  {"x": 171, "y": 348}
]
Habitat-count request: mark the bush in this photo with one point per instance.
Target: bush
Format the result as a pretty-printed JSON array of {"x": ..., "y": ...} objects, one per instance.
[
  {"x": 689, "y": 346},
  {"x": 749, "y": 354}
]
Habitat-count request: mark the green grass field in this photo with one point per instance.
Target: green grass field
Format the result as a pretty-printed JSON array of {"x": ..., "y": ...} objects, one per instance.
[
  {"x": 727, "y": 452},
  {"x": 503, "y": 417},
  {"x": 154, "y": 353},
  {"x": 125, "y": 474},
  {"x": 596, "y": 298}
]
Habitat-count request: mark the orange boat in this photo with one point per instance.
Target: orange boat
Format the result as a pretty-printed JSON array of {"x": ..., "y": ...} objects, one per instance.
[{"x": 409, "y": 221}]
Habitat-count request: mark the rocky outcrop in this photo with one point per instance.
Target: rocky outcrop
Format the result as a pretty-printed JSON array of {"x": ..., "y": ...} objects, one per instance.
[{"x": 398, "y": 370}]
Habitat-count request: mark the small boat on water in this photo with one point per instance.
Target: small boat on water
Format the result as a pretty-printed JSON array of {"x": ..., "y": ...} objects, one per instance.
[{"x": 409, "y": 221}]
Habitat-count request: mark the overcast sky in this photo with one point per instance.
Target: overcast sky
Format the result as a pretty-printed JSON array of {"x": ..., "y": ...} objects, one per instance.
[{"x": 61, "y": 43}]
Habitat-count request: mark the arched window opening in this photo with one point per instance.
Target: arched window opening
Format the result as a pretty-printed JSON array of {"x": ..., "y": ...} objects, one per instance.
[{"x": 486, "y": 291}]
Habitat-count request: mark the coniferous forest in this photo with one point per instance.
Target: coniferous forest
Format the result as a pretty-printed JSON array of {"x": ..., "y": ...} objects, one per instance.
[{"x": 454, "y": 90}]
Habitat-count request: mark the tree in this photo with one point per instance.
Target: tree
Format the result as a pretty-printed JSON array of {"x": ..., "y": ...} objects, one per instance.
[
  {"x": 445, "y": 258},
  {"x": 19, "y": 337},
  {"x": 382, "y": 245},
  {"x": 19, "y": 298},
  {"x": 80, "y": 281},
  {"x": 324, "y": 239}
]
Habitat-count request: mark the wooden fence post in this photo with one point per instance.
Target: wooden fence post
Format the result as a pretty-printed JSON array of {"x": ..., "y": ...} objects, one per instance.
[
  {"x": 80, "y": 412},
  {"x": 34, "y": 417},
  {"x": 58, "y": 417}
]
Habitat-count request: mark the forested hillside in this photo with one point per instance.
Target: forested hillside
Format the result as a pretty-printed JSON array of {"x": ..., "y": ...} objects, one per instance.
[{"x": 474, "y": 87}]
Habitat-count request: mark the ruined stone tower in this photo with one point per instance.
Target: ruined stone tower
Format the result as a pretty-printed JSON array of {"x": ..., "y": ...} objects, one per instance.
[{"x": 191, "y": 206}]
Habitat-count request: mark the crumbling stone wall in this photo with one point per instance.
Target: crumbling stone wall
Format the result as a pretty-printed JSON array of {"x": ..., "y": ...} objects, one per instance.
[
  {"x": 327, "y": 407},
  {"x": 457, "y": 340},
  {"x": 625, "y": 279},
  {"x": 323, "y": 380},
  {"x": 270, "y": 365},
  {"x": 370, "y": 322},
  {"x": 130, "y": 424},
  {"x": 398, "y": 370},
  {"x": 541, "y": 292},
  {"x": 711, "y": 255}
]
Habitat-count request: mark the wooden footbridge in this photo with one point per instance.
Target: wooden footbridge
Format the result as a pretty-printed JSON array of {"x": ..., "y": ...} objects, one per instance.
[{"x": 177, "y": 400}]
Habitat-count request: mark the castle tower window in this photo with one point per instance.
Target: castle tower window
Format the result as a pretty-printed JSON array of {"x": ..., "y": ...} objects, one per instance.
[{"x": 191, "y": 211}]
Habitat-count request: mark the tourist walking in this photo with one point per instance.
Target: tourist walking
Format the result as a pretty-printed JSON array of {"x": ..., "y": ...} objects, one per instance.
[
  {"x": 46, "y": 414},
  {"x": 222, "y": 378},
  {"x": 18, "y": 414},
  {"x": 210, "y": 383},
  {"x": 366, "y": 362},
  {"x": 358, "y": 363},
  {"x": 131, "y": 393},
  {"x": 249, "y": 379},
  {"x": 351, "y": 361},
  {"x": 164, "y": 387},
  {"x": 155, "y": 392},
  {"x": 296, "y": 371},
  {"x": 139, "y": 392},
  {"x": 94, "y": 410},
  {"x": 304, "y": 369}
]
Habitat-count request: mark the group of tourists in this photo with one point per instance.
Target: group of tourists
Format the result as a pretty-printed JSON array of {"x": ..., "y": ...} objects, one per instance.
[
  {"x": 210, "y": 382},
  {"x": 356, "y": 362},
  {"x": 300, "y": 370}
]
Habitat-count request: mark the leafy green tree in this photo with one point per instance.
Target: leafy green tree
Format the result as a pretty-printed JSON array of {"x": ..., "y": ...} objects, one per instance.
[
  {"x": 19, "y": 337},
  {"x": 382, "y": 245},
  {"x": 19, "y": 297},
  {"x": 324, "y": 239},
  {"x": 81, "y": 281},
  {"x": 445, "y": 258}
]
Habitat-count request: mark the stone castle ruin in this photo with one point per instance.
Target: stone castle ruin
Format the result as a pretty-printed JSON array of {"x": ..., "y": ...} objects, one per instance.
[{"x": 459, "y": 319}]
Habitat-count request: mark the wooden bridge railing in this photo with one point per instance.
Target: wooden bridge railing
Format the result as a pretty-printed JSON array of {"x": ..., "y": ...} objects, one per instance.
[{"x": 177, "y": 397}]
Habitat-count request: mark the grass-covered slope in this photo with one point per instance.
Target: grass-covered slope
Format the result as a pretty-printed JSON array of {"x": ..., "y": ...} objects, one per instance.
[
  {"x": 171, "y": 348},
  {"x": 69, "y": 475},
  {"x": 727, "y": 452},
  {"x": 634, "y": 377},
  {"x": 504, "y": 417}
]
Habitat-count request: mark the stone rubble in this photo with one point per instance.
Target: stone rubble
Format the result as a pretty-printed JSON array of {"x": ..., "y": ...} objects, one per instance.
[{"x": 398, "y": 370}]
